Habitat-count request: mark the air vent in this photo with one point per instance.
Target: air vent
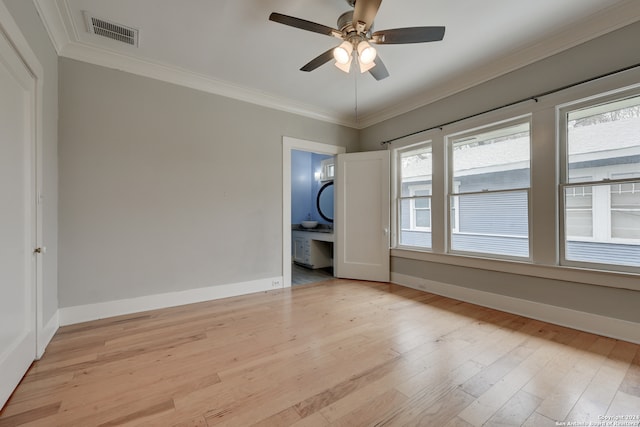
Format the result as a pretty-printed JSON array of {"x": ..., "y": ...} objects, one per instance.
[{"x": 111, "y": 30}]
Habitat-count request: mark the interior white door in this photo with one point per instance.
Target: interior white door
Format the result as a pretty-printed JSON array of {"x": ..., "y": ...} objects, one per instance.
[
  {"x": 17, "y": 220},
  {"x": 362, "y": 216}
]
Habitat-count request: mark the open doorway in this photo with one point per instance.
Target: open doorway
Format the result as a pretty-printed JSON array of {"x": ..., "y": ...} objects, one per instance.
[
  {"x": 310, "y": 247},
  {"x": 312, "y": 201}
]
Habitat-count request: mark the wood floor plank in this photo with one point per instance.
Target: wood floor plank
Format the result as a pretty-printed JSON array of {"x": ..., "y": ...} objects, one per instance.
[
  {"x": 554, "y": 373},
  {"x": 631, "y": 382},
  {"x": 307, "y": 381},
  {"x": 139, "y": 415},
  {"x": 516, "y": 411},
  {"x": 625, "y": 404},
  {"x": 339, "y": 352},
  {"x": 344, "y": 388},
  {"x": 196, "y": 422},
  {"x": 370, "y": 411},
  {"x": 457, "y": 422},
  {"x": 443, "y": 410},
  {"x": 403, "y": 370},
  {"x": 283, "y": 418},
  {"x": 557, "y": 405},
  {"x": 597, "y": 397},
  {"x": 537, "y": 420},
  {"x": 29, "y": 415},
  {"x": 422, "y": 360},
  {"x": 495, "y": 397},
  {"x": 441, "y": 385},
  {"x": 315, "y": 420}
]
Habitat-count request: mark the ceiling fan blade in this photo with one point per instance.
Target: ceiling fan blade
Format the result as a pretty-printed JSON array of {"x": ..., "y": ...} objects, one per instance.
[
  {"x": 408, "y": 35},
  {"x": 365, "y": 11},
  {"x": 319, "y": 60},
  {"x": 379, "y": 72},
  {"x": 302, "y": 24}
]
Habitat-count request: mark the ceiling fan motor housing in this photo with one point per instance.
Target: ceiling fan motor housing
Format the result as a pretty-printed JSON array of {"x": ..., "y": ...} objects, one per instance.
[{"x": 345, "y": 24}]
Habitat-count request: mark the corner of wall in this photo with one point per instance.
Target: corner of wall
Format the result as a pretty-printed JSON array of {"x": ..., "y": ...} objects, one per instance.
[{"x": 45, "y": 334}]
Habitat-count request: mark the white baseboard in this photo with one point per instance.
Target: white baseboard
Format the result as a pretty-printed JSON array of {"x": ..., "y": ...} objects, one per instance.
[
  {"x": 85, "y": 313},
  {"x": 583, "y": 321},
  {"x": 45, "y": 334}
]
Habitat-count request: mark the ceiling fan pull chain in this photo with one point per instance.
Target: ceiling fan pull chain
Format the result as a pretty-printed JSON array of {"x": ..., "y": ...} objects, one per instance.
[{"x": 355, "y": 77}]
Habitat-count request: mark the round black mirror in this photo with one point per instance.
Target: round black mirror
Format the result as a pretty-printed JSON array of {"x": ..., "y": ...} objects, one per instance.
[{"x": 324, "y": 201}]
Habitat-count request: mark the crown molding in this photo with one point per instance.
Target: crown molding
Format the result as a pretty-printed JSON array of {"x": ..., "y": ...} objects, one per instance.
[
  {"x": 181, "y": 77},
  {"x": 51, "y": 17},
  {"x": 56, "y": 18},
  {"x": 58, "y": 23},
  {"x": 603, "y": 22}
]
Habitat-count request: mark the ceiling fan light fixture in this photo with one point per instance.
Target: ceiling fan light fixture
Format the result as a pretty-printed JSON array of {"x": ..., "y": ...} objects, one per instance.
[
  {"x": 366, "y": 67},
  {"x": 366, "y": 53},
  {"x": 345, "y": 67},
  {"x": 355, "y": 30},
  {"x": 342, "y": 53}
]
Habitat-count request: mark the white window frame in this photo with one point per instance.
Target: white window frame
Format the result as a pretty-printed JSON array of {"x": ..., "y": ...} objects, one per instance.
[
  {"x": 601, "y": 223},
  {"x": 327, "y": 169},
  {"x": 456, "y": 209},
  {"x": 593, "y": 231},
  {"x": 410, "y": 145},
  {"x": 634, "y": 180},
  {"x": 600, "y": 181},
  {"x": 412, "y": 213},
  {"x": 454, "y": 186}
]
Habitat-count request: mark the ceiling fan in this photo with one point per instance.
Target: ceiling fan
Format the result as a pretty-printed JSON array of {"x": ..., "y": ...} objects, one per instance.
[{"x": 356, "y": 32}]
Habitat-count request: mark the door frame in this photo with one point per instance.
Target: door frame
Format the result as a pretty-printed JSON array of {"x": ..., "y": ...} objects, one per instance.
[
  {"x": 288, "y": 144},
  {"x": 44, "y": 332}
]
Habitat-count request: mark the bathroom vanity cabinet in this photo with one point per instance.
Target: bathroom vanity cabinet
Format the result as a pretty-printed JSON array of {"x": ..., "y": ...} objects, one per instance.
[{"x": 312, "y": 249}]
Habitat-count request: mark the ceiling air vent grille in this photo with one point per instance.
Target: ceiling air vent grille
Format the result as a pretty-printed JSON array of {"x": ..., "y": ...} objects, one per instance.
[{"x": 111, "y": 30}]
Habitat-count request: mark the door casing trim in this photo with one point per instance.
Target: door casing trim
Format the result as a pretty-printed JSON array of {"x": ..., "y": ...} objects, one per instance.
[{"x": 288, "y": 144}]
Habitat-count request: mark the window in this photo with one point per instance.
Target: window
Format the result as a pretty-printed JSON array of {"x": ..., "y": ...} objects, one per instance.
[
  {"x": 420, "y": 207},
  {"x": 625, "y": 208},
  {"x": 579, "y": 211},
  {"x": 489, "y": 180},
  {"x": 414, "y": 164},
  {"x": 327, "y": 169},
  {"x": 601, "y": 182}
]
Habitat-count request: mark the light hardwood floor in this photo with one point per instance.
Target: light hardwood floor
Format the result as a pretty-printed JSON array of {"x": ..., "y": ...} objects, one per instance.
[{"x": 339, "y": 352}]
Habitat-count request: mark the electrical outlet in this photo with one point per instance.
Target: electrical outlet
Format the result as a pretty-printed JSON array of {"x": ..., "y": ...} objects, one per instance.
[{"x": 276, "y": 283}]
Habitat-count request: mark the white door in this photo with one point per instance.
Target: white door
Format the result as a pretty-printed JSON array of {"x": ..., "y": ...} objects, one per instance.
[
  {"x": 362, "y": 216},
  {"x": 17, "y": 220}
]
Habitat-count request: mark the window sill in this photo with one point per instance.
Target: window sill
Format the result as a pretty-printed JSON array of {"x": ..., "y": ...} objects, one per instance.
[{"x": 610, "y": 279}]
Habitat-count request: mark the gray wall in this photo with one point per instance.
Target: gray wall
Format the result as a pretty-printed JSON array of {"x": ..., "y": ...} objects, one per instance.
[
  {"x": 25, "y": 15},
  {"x": 610, "y": 302},
  {"x": 608, "y": 53},
  {"x": 164, "y": 188}
]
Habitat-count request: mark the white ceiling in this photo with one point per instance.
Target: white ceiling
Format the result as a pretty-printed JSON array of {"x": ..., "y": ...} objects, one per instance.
[{"x": 229, "y": 47}]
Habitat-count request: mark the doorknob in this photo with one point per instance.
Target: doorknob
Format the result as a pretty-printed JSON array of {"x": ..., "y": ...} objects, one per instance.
[{"x": 40, "y": 250}]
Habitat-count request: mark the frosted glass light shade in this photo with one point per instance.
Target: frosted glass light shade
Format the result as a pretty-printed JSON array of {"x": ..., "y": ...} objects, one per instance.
[
  {"x": 342, "y": 53},
  {"x": 345, "y": 67},
  {"x": 366, "y": 53},
  {"x": 366, "y": 67}
]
